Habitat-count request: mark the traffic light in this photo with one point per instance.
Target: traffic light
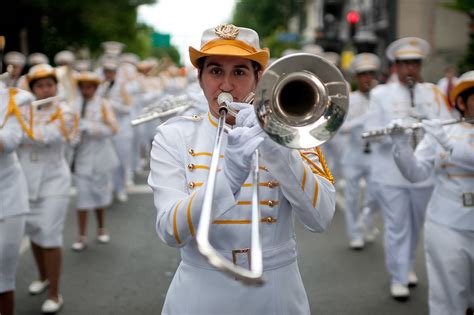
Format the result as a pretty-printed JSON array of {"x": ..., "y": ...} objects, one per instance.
[{"x": 352, "y": 18}]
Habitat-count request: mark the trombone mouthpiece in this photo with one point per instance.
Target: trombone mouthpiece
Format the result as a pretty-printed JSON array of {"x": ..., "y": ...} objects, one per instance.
[{"x": 224, "y": 98}]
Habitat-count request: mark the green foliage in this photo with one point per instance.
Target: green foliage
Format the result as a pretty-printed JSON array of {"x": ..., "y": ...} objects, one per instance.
[
  {"x": 268, "y": 18},
  {"x": 87, "y": 23},
  {"x": 467, "y": 7},
  {"x": 459, "y": 5},
  {"x": 167, "y": 52}
]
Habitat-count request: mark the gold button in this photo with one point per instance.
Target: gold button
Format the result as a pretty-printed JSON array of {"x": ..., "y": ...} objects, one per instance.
[
  {"x": 272, "y": 184},
  {"x": 269, "y": 220},
  {"x": 191, "y": 167},
  {"x": 191, "y": 185},
  {"x": 271, "y": 203},
  {"x": 191, "y": 152}
]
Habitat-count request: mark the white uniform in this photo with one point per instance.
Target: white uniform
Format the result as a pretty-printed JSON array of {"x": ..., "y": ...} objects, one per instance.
[
  {"x": 356, "y": 166},
  {"x": 48, "y": 175},
  {"x": 13, "y": 196},
  {"x": 449, "y": 227},
  {"x": 121, "y": 102},
  {"x": 402, "y": 202},
  {"x": 180, "y": 160},
  {"x": 95, "y": 156}
]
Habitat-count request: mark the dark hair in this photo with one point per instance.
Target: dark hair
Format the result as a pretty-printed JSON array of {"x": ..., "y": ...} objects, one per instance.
[
  {"x": 256, "y": 67},
  {"x": 32, "y": 82},
  {"x": 464, "y": 95}
]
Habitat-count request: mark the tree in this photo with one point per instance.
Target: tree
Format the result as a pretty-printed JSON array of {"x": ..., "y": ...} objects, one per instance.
[
  {"x": 52, "y": 25},
  {"x": 467, "y": 7},
  {"x": 269, "y": 18}
]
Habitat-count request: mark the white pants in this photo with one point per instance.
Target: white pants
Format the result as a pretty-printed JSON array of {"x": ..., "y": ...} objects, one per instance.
[
  {"x": 403, "y": 212},
  {"x": 353, "y": 174},
  {"x": 11, "y": 232},
  {"x": 122, "y": 173},
  {"x": 450, "y": 266},
  {"x": 200, "y": 291}
]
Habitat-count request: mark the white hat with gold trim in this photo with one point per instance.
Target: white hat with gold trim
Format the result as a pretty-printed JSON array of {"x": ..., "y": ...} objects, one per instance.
[
  {"x": 466, "y": 81},
  {"x": 364, "y": 62},
  {"x": 64, "y": 57},
  {"x": 313, "y": 49},
  {"x": 408, "y": 48},
  {"x": 230, "y": 40},
  {"x": 37, "y": 58},
  {"x": 40, "y": 71},
  {"x": 88, "y": 76},
  {"x": 109, "y": 63},
  {"x": 113, "y": 48},
  {"x": 15, "y": 58},
  {"x": 130, "y": 58}
]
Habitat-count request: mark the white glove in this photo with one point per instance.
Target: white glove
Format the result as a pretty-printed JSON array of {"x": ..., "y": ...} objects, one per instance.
[
  {"x": 246, "y": 117},
  {"x": 435, "y": 129},
  {"x": 400, "y": 137},
  {"x": 84, "y": 126},
  {"x": 241, "y": 144}
]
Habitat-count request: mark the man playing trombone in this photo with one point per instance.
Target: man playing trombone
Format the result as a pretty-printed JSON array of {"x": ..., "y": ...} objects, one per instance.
[
  {"x": 402, "y": 202},
  {"x": 292, "y": 183}
]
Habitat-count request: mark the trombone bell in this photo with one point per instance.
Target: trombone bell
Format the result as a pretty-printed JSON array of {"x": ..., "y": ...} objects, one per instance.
[{"x": 301, "y": 100}]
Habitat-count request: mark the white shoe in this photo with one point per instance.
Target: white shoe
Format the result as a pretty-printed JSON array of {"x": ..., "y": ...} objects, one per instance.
[
  {"x": 104, "y": 238},
  {"x": 50, "y": 306},
  {"x": 371, "y": 234},
  {"x": 356, "y": 244},
  {"x": 412, "y": 279},
  {"x": 38, "y": 286},
  {"x": 122, "y": 197},
  {"x": 399, "y": 292},
  {"x": 79, "y": 245}
]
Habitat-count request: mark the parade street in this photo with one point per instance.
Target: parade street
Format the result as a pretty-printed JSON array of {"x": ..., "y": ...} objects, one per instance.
[{"x": 131, "y": 274}]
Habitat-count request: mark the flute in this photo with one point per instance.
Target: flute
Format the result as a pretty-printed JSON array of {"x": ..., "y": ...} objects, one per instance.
[{"x": 387, "y": 131}]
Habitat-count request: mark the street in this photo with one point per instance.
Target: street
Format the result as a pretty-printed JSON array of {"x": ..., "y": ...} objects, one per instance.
[{"x": 131, "y": 274}]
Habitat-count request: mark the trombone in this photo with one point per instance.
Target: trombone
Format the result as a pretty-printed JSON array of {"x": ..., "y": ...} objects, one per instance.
[{"x": 300, "y": 102}]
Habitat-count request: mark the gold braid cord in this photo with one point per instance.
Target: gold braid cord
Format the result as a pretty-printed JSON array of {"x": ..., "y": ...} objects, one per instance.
[
  {"x": 325, "y": 165},
  {"x": 322, "y": 171}
]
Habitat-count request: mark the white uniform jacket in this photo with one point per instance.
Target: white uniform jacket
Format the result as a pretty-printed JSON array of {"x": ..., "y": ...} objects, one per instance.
[
  {"x": 95, "y": 152},
  {"x": 392, "y": 101},
  {"x": 13, "y": 189},
  {"x": 122, "y": 102},
  {"x": 454, "y": 175},
  {"x": 43, "y": 160},
  {"x": 290, "y": 184},
  {"x": 354, "y": 125}
]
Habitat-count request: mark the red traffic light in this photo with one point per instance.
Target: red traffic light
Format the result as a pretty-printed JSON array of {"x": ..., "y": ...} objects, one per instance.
[{"x": 352, "y": 17}]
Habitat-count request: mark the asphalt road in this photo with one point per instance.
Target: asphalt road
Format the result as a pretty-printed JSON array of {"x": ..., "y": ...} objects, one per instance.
[{"x": 131, "y": 274}]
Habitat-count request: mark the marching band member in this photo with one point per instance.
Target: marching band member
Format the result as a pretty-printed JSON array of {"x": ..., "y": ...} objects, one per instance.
[
  {"x": 230, "y": 60},
  {"x": 402, "y": 202},
  {"x": 13, "y": 192},
  {"x": 93, "y": 176},
  {"x": 355, "y": 159},
  {"x": 49, "y": 181},
  {"x": 448, "y": 152},
  {"x": 114, "y": 90},
  {"x": 67, "y": 84},
  {"x": 15, "y": 62}
]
